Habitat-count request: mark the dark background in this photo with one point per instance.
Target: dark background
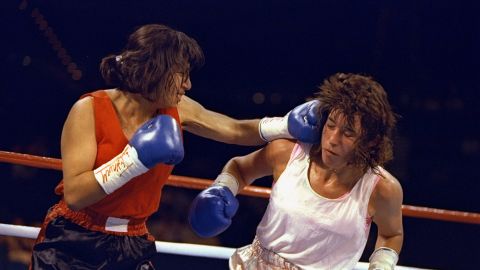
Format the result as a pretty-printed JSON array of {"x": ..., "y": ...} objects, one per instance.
[{"x": 425, "y": 54}]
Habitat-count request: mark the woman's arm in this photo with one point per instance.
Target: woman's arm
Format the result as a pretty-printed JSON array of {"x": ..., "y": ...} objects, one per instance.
[
  {"x": 270, "y": 160},
  {"x": 157, "y": 141},
  {"x": 202, "y": 122},
  {"x": 387, "y": 204},
  {"x": 212, "y": 210},
  {"x": 302, "y": 123},
  {"x": 79, "y": 150}
]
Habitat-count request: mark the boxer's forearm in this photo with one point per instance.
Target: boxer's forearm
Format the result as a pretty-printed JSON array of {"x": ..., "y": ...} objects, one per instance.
[{"x": 394, "y": 242}]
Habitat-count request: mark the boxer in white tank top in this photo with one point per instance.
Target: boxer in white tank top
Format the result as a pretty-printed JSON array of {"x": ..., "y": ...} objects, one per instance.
[
  {"x": 333, "y": 229},
  {"x": 326, "y": 195}
]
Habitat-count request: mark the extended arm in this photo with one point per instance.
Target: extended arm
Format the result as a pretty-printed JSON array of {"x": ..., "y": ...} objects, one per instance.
[
  {"x": 209, "y": 124},
  {"x": 301, "y": 123}
]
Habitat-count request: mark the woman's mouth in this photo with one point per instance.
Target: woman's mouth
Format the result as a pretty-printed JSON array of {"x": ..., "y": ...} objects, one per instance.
[{"x": 330, "y": 152}]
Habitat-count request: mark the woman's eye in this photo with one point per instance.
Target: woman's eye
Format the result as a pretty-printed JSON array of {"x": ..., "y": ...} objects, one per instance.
[{"x": 349, "y": 134}]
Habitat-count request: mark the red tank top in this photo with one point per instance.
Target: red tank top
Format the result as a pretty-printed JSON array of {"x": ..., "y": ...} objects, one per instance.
[{"x": 140, "y": 197}]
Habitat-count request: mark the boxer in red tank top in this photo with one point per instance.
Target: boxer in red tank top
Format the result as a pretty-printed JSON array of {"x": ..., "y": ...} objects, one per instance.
[{"x": 119, "y": 146}]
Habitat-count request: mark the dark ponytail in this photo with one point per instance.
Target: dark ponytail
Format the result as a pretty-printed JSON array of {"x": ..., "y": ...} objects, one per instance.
[{"x": 110, "y": 70}]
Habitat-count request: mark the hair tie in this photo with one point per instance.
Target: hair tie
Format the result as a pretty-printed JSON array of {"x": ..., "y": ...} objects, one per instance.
[{"x": 118, "y": 58}]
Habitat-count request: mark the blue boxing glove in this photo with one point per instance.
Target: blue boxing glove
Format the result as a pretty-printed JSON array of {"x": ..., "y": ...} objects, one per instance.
[
  {"x": 211, "y": 212},
  {"x": 159, "y": 140},
  {"x": 302, "y": 123}
]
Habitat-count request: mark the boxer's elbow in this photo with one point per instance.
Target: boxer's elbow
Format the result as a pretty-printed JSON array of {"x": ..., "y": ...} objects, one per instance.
[
  {"x": 73, "y": 201},
  {"x": 78, "y": 197},
  {"x": 239, "y": 166}
]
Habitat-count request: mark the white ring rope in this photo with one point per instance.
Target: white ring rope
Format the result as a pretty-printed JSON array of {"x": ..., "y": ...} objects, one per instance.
[
  {"x": 19, "y": 231},
  {"x": 165, "y": 247}
]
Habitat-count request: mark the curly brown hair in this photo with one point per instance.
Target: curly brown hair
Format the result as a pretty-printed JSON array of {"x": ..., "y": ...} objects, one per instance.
[
  {"x": 153, "y": 53},
  {"x": 354, "y": 94}
]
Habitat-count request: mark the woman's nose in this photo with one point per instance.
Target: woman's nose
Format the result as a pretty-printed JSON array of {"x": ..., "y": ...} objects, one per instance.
[
  {"x": 187, "y": 84},
  {"x": 334, "y": 137}
]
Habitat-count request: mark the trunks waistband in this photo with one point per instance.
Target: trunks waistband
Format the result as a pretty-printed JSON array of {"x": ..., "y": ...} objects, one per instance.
[
  {"x": 97, "y": 222},
  {"x": 271, "y": 257}
]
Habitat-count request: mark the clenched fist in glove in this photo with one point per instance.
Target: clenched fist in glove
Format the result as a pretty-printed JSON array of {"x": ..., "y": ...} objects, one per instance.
[
  {"x": 212, "y": 210},
  {"x": 159, "y": 140},
  {"x": 302, "y": 123}
]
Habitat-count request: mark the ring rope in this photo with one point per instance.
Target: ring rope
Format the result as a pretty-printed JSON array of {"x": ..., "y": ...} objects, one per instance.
[
  {"x": 255, "y": 191},
  {"x": 213, "y": 252}
]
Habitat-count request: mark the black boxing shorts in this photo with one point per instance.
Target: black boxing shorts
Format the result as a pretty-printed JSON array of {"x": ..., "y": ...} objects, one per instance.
[{"x": 69, "y": 246}]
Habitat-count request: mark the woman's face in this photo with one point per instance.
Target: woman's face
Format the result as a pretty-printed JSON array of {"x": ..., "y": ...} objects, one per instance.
[
  {"x": 339, "y": 140},
  {"x": 180, "y": 83}
]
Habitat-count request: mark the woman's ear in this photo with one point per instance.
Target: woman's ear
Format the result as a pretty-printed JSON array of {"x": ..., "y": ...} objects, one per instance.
[{"x": 374, "y": 142}]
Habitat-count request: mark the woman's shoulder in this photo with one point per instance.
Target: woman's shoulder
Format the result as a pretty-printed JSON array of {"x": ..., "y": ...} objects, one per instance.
[
  {"x": 388, "y": 186},
  {"x": 83, "y": 105},
  {"x": 278, "y": 154},
  {"x": 281, "y": 147}
]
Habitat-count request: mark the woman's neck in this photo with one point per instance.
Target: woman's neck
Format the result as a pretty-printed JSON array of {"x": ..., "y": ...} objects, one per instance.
[
  {"x": 133, "y": 106},
  {"x": 347, "y": 175}
]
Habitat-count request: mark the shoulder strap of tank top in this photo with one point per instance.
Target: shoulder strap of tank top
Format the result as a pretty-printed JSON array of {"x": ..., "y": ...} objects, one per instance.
[
  {"x": 299, "y": 150},
  {"x": 106, "y": 118}
]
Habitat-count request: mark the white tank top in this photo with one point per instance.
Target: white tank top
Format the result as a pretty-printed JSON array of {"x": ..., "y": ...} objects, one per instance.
[{"x": 312, "y": 231}]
